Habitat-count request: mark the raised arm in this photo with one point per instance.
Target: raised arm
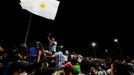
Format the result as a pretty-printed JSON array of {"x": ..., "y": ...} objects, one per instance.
[
  {"x": 39, "y": 56},
  {"x": 49, "y": 38}
]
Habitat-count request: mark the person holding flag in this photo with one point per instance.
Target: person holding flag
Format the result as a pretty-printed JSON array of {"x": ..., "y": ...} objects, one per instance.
[
  {"x": 52, "y": 43},
  {"x": 43, "y": 8}
]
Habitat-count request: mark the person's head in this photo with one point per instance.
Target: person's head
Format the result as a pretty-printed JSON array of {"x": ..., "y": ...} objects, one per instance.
[
  {"x": 113, "y": 65},
  {"x": 67, "y": 52},
  {"x": 74, "y": 61},
  {"x": 31, "y": 44},
  {"x": 85, "y": 66},
  {"x": 39, "y": 45},
  {"x": 122, "y": 69},
  {"x": 73, "y": 53}
]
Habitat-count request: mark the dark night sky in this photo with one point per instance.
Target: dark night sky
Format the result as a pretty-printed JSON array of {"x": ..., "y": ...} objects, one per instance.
[{"x": 77, "y": 24}]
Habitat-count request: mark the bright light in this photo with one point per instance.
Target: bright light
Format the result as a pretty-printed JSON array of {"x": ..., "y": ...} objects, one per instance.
[
  {"x": 93, "y": 44},
  {"x": 106, "y": 50},
  {"x": 115, "y": 40},
  {"x": 61, "y": 46}
]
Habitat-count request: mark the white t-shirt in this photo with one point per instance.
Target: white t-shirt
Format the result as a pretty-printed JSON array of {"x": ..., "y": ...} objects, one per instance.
[
  {"x": 66, "y": 57},
  {"x": 52, "y": 46}
]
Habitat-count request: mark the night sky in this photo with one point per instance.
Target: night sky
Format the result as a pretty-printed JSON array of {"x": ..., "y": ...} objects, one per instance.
[{"x": 77, "y": 24}]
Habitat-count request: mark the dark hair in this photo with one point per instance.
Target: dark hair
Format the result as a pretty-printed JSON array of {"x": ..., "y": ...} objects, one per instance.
[
  {"x": 85, "y": 66},
  {"x": 74, "y": 61},
  {"x": 121, "y": 69},
  {"x": 38, "y": 44}
]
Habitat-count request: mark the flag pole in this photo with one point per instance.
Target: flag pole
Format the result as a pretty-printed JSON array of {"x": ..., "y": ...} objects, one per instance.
[{"x": 28, "y": 29}]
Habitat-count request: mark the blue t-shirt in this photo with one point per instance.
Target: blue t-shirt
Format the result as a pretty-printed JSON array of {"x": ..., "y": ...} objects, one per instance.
[{"x": 32, "y": 51}]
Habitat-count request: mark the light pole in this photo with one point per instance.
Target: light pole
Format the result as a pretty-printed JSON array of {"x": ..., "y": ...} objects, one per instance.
[
  {"x": 119, "y": 50},
  {"x": 106, "y": 53},
  {"x": 94, "y": 51}
]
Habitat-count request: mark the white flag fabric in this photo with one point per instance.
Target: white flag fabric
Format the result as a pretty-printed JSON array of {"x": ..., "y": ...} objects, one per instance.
[{"x": 44, "y": 8}]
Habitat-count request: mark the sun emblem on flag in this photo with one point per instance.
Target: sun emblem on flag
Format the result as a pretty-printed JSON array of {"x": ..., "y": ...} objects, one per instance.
[{"x": 42, "y": 5}]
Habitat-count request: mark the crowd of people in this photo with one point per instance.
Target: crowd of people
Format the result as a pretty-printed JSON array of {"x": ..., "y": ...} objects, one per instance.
[{"x": 33, "y": 59}]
